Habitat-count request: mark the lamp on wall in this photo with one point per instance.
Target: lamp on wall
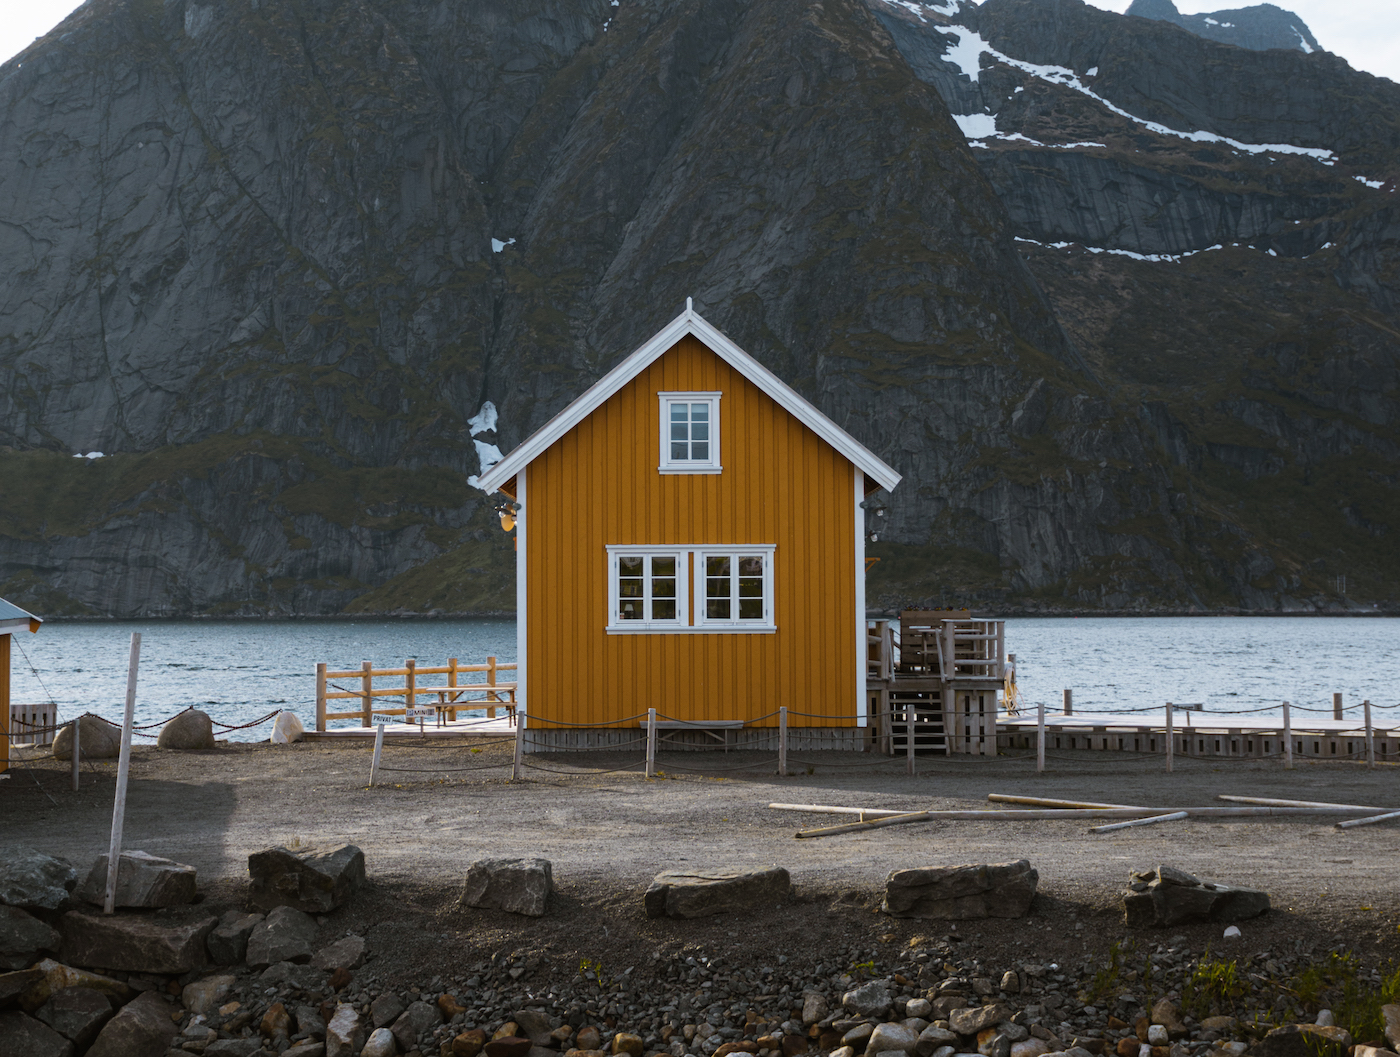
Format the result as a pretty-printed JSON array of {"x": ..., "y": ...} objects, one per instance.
[{"x": 506, "y": 512}]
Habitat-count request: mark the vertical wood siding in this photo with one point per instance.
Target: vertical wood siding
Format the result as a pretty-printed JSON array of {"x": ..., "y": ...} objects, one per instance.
[{"x": 781, "y": 485}]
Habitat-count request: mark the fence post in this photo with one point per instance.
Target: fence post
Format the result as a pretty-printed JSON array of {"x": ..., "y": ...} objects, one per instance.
[
  {"x": 782, "y": 741},
  {"x": 378, "y": 750},
  {"x": 1370, "y": 738},
  {"x": 77, "y": 748},
  {"x": 1336, "y": 706},
  {"x": 1287, "y": 737},
  {"x": 320, "y": 695},
  {"x": 518, "y": 771},
  {"x": 1171, "y": 739},
  {"x": 1069, "y": 701},
  {"x": 114, "y": 850},
  {"x": 909, "y": 714},
  {"x": 1040, "y": 736},
  {"x": 410, "y": 695},
  {"x": 367, "y": 691},
  {"x": 452, "y": 681},
  {"x": 651, "y": 742},
  {"x": 491, "y": 681}
]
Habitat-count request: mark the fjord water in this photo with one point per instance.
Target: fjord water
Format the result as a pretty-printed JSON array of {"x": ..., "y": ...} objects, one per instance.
[{"x": 240, "y": 670}]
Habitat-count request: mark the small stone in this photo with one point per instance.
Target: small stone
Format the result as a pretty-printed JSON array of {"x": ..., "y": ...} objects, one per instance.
[
  {"x": 588, "y": 1039},
  {"x": 233, "y": 1048},
  {"x": 933, "y": 1038},
  {"x": 285, "y": 935},
  {"x": 1164, "y": 1013},
  {"x": 1220, "y": 1024},
  {"x": 385, "y": 1009},
  {"x": 22, "y": 937},
  {"x": 1127, "y": 1047},
  {"x": 380, "y": 1044},
  {"x": 340, "y": 979},
  {"x": 348, "y": 952},
  {"x": 31, "y": 880},
  {"x": 869, "y": 1000},
  {"x": 77, "y": 1013},
  {"x": 469, "y": 1043},
  {"x": 203, "y": 995},
  {"x": 693, "y": 894},
  {"x": 311, "y": 879},
  {"x": 228, "y": 943},
  {"x": 858, "y": 1036},
  {"x": 944, "y": 1005},
  {"x": 418, "y": 1018},
  {"x": 1391, "y": 1015},
  {"x": 190, "y": 730},
  {"x": 887, "y": 1037},
  {"x": 276, "y": 1022},
  {"x": 293, "y": 976},
  {"x": 794, "y": 1045},
  {"x": 510, "y": 1046},
  {"x": 972, "y": 1021},
  {"x": 344, "y": 1032},
  {"x": 310, "y": 1022},
  {"x": 813, "y": 1007},
  {"x": 1010, "y": 982},
  {"x": 918, "y": 1007},
  {"x": 306, "y": 1049},
  {"x": 1030, "y": 1048},
  {"x": 142, "y": 1026},
  {"x": 1233, "y": 932},
  {"x": 520, "y": 886},
  {"x": 450, "y": 1006},
  {"x": 625, "y": 1042},
  {"x": 1370, "y": 1051},
  {"x": 1157, "y": 1035},
  {"x": 843, "y": 1051},
  {"x": 1325, "y": 1019},
  {"x": 509, "y": 1030}
]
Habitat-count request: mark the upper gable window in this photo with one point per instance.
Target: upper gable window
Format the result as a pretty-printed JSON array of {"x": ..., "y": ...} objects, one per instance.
[{"x": 689, "y": 433}]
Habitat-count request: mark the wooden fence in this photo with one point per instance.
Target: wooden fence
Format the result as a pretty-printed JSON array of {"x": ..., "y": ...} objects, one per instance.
[{"x": 446, "y": 696}]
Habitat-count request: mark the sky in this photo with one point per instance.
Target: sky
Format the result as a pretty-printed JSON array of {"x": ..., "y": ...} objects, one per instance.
[{"x": 1364, "y": 32}]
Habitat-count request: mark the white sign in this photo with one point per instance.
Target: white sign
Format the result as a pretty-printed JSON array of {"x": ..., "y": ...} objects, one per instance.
[
  {"x": 386, "y": 719},
  {"x": 411, "y": 714}
]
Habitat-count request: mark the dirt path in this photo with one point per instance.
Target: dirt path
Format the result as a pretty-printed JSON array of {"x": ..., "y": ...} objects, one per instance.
[{"x": 212, "y": 809}]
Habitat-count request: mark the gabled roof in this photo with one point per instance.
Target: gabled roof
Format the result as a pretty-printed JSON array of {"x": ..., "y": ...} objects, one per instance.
[
  {"x": 689, "y": 322},
  {"x": 12, "y": 618}
]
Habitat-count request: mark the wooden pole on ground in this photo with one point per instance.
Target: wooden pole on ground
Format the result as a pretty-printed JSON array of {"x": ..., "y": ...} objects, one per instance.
[
  {"x": 1079, "y": 805},
  {"x": 517, "y": 771},
  {"x": 367, "y": 692},
  {"x": 1040, "y": 737},
  {"x": 77, "y": 748},
  {"x": 651, "y": 742},
  {"x": 378, "y": 751},
  {"x": 1372, "y": 820},
  {"x": 320, "y": 695},
  {"x": 1175, "y": 816},
  {"x": 114, "y": 849},
  {"x": 1287, "y": 738},
  {"x": 1336, "y": 706},
  {"x": 1370, "y": 737},
  {"x": 1069, "y": 701},
  {"x": 782, "y": 741},
  {"x": 1171, "y": 739},
  {"x": 491, "y": 681},
  {"x": 1268, "y": 802}
]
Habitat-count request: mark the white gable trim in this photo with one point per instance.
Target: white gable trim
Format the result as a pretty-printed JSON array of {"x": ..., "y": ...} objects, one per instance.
[{"x": 689, "y": 322}]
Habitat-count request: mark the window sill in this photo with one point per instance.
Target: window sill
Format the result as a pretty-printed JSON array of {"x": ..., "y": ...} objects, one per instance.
[
  {"x": 692, "y": 629},
  {"x": 690, "y": 469}
]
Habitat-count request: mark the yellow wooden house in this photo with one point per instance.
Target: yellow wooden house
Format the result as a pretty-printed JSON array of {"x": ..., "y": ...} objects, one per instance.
[
  {"x": 691, "y": 538},
  {"x": 12, "y": 620}
]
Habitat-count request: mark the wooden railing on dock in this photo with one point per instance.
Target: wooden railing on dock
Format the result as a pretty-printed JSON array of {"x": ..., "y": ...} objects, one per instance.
[{"x": 448, "y": 697}]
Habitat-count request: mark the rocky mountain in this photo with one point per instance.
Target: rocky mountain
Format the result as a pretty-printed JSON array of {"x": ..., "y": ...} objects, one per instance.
[
  {"x": 1258, "y": 28},
  {"x": 1118, "y": 300}
]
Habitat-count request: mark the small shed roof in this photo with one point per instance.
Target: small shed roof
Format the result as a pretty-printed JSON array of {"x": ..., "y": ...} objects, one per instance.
[
  {"x": 12, "y": 618},
  {"x": 689, "y": 322}
]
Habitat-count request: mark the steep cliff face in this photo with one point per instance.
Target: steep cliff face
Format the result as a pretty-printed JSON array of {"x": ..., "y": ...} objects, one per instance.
[
  {"x": 1258, "y": 28},
  {"x": 277, "y": 257}
]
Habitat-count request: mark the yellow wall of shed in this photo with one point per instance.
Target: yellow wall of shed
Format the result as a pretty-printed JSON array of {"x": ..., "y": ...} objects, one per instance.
[{"x": 599, "y": 485}]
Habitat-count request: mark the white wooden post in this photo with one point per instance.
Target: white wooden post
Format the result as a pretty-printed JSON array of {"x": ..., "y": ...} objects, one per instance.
[
  {"x": 114, "y": 849},
  {"x": 1370, "y": 738},
  {"x": 518, "y": 770},
  {"x": 77, "y": 748},
  {"x": 378, "y": 751},
  {"x": 909, "y": 714},
  {"x": 1040, "y": 736},
  {"x": 651, "y": 742},
  {"x": 782, "y": 741},
  {"x": 1287, "y": 737},
  {"x": 1171, "y": 739}
]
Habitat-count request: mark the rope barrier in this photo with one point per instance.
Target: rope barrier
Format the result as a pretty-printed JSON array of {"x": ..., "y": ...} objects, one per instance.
[
  {"x": 612, "y": 770},
  {"x": 773, "y": 761}
]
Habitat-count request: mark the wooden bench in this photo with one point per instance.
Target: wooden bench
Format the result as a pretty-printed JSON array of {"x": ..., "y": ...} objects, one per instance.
[
  {"x": 715, "y": 728},
  {"x": 499, "y": 695}
]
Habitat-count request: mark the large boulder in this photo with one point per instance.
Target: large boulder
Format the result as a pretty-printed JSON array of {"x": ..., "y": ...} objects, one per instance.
[
  {"x": 77, "y": 1013},
  {"x": 961, "y": 893},
  {"x": 23, "y": 1036},
  {"x": 1167, "y": 896},
  {"x": 56, "y": 977},
  {"x": 287, "y": 728},
  {"x": 143, "y": 1028},
  {"x": 228, "y": 943},
  {"x": 345, "y": 1032},
  {"x": 134, "y": 943},
  {"x": 692, "y": 894},
  {"x": 34, "y": 881},
  {"x": 99, "y": 740},
  {"x": 521, "y": 886},
  {"x": 22, "y": 937},
  {"x": 345, "y": 953},
  {"x": 13, "y": 985},
  {"x": 285, "y": 935},
  {"x": 312, "y": 879},
  {"x": 142, "y": 881},
  {"x": 188, "y": 730}
]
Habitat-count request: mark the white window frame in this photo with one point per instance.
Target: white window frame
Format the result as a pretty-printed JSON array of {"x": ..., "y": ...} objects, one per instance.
[
  {"x": 615, "y": 623},
  {"x": 690, "y": 567},
  {"x": 669, "y": 465},
  {"x": 733, "y": 554}
]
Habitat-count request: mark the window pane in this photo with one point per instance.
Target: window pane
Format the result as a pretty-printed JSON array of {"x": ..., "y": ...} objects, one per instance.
[
  {"x": 717, "y": 566},
  {"x": 678, "y": 451},
  {"x": 663, "y": 566},
  {"x": 717, "y": 608},
  {"x": 750, "y": 587},
  {"x": 751, "y": 566},
  {"x": 627, "y": 587},
  {"x": 680, "y": 412},
  {"x": 700, "y": 412},
  {"x": 663, "y": 609},
  {"x": 698, "y": 431},
  {"x": 699, "y": 451},
  {"x": 630, "y": 610},
  {"x": 750, "y": 608},
  {"x": 662, "y": 587},
  {"x": 678, "y": 431},
  {"x": 629, "y": 566}
]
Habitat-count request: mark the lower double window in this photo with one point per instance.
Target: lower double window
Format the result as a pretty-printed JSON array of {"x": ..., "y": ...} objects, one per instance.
[{"x": 690, "y": 589}]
